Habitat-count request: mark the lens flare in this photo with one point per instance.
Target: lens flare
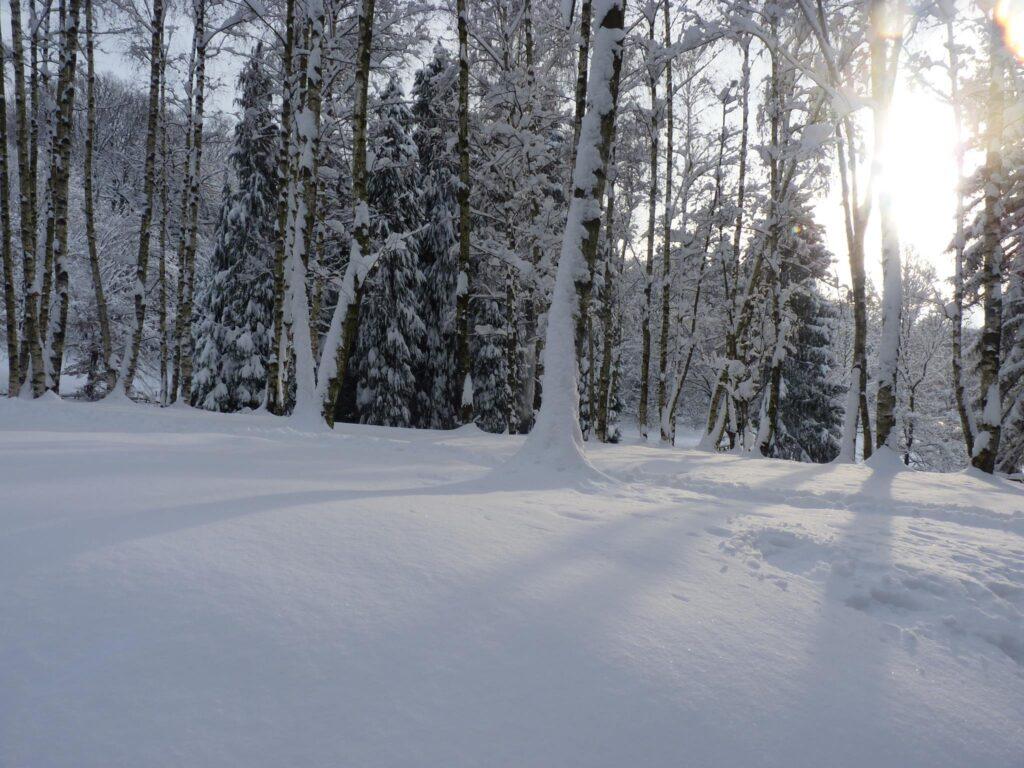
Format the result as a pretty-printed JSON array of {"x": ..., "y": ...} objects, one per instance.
[{"x": 1009, "y": 15}]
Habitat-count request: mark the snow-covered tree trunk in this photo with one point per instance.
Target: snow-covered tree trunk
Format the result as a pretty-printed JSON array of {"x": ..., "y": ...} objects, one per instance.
[
  {"x": 102, "y": 315},
  {"x": 31, "y": 367},
  {"x": 301, "y": 193},
  {"x": 344, "y": 328},
  {"x": 884, "y": 62},
  {"x": 148, "y": 187},
  {"x": 10, "y": 298},
  {"x": 989, "y": 427},
  {"x": 556, "y": 440},
  {"x": 164, "y": 216},
  {"x": 608, "y": 306}
]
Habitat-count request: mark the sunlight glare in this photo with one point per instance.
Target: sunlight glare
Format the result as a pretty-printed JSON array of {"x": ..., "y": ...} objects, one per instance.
[
  {"x": 921, "y": 169},
  {"x": 1009, "y": 15}
]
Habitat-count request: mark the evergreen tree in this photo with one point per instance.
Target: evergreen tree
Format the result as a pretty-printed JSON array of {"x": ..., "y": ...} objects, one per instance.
[
  {"x": 434, "y": 108},
  {"x": 391, "y": 330},
  {"x": 209, "y": 389},
  {"x": 491, "y": 394},
  {"x": 233, "y": 337},
  {"x": 810, "y": 415}
]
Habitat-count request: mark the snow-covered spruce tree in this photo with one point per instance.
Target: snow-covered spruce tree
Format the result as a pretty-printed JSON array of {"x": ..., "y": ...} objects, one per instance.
[
  {"x": 208, "y": 389},
  {"x": 391, "y": 330},
  {"x": 434, "y": 107},
  {"x": 491, "y": 393},
  {"x": 810, "y": 406},
  {"x": 248, "y": 312},
  {"x": 236, "y": 315}
]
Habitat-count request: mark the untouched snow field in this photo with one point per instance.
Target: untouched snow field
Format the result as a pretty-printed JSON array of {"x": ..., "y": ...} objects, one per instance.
[{"x": 187, "y": 589}]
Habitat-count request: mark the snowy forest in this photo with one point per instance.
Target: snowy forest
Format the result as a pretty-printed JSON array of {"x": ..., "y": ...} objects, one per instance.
[
  {"x": 659, "y": 215},
  {"x": 512, "y": 383}
]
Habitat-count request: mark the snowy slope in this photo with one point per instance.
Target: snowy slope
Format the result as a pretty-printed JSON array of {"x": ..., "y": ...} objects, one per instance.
[{"x": 189, "y": 589}]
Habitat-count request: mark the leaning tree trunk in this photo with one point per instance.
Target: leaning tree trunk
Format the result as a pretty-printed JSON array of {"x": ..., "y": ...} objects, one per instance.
[
  {"x": 986, "y": 441},
  {"x": 10, "y": 300},
  {"x": 31, "y": 366},
  {"x": 149, "y": 184},
  {"x": 102, "y": 315},
  {"x": 556, "y": 439},
  {"x": 62, "y": 156},
  {"x": 652, "y": 201},
  {"x": 341, "y": 337},
  {"x": 462, "y": 320}
]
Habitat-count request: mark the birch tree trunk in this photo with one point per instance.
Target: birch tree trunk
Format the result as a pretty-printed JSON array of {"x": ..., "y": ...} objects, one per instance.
[
  {"x": 102, "y": 315},
  {"x": 556, "y": 440},
  {"x": 186, "y": 185},
  {"x": 652, "y": 198},
  {"x": 963, "y": 407},
  {"x": 986, "y": 441},
  {"x": 664, "y": 414},
  {"x": 275, "y": 397},
  {"x": 60, "y": 173},
  {"x": 341, "y": 337},
  {"x": 607, "y": 309},
  {"x": 164, "y": 211},
  {"x": 31, "y": 366},
  {"x": 583, "y": 54},
  {"x": 149, "y": 184},
  {"x": 10, "y": 299},
  {"x": 195, "y": 174}
]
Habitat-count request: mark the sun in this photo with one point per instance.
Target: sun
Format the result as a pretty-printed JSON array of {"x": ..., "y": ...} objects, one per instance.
[{"x": 920, "y": 170}]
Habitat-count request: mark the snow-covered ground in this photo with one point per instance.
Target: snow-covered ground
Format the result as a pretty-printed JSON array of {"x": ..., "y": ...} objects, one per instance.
[{"x": 187, "y": 589}]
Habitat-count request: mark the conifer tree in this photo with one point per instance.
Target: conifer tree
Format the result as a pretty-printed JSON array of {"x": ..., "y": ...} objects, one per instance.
[
  {"x": 236, "y": 319},
  {"x": 491, "y": 393},
  {"x": 391, "y": 329},
  {"x": 434, "y": 107}
]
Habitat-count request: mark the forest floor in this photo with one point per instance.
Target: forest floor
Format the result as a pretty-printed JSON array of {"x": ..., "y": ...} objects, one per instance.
[{"x": 180, "y": 588}]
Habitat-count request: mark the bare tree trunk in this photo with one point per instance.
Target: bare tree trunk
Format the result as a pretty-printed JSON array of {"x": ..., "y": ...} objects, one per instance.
[
  {"x": 986, "y": 441},
  {"x": 652, "y": 198},
  {"x": 33, "y": 359},
  {"x": 607, "y": 310},
  {"x": 90, "y": 215},
  {"x": 583, "y": 55},
  {"x": 963, "y": 407},
  {"x": 149, "y": 184},
  {"x": 341, "y": 337},
  {"x": 61, "y": 171},
  {"x": 462, "y": 319},
  {"x": 180, "y": 320},
  {"x": 10, "y": 299},
  {"x": 164, "y": 211},
  {"x": 195, "y": 175},
  {"x": 275, "y": 398},
  {"x": 666, "y": 248}
]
